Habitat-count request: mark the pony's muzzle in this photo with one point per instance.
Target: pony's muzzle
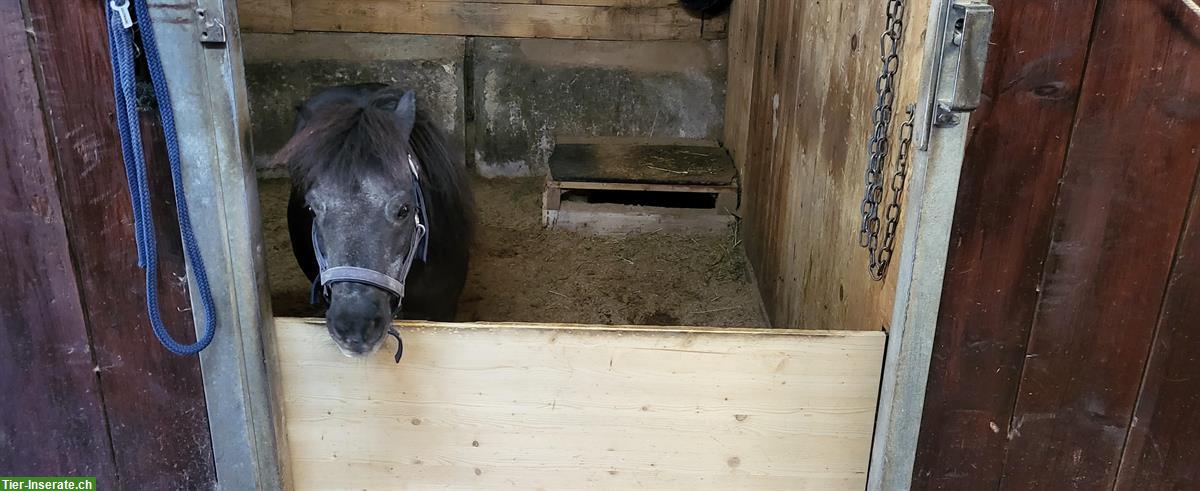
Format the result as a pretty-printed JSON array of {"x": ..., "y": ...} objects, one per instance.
[{"x": 358, "y": 317}]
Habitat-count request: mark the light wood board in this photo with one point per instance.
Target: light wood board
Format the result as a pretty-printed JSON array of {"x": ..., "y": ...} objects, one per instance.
[
  {"x": 805, "y": 150},
  {"x": 514, "y": 406},
  {"x": 497, "y": 19}
]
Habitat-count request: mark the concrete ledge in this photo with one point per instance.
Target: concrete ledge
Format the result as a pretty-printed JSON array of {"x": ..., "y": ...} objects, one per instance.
[
  {"x": 284, "y": 69},
  {"x": 504, "y": 102},
  {"x": 529, "y": 92}
]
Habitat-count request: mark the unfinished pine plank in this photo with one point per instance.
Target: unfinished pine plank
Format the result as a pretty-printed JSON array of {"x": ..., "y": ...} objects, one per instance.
[
  {"x": 497, "y": 19},
  {"x": 503, "y": 406},
  {"x": 265, "y": 15}
]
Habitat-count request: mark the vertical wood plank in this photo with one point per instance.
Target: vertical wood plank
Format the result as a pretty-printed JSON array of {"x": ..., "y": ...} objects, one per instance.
[
  {"x": 1130, "y": 169},
  {"x": 154, "y": 399},
  {"x": 745, "y": 37},
  {"x": 811, "y": 106},
  {"x": 760, "y": 142},
  {"x": 1015, "y": 155},
  {"x": 1163, "y": 447},
  {"x": 51, "y": 415}
]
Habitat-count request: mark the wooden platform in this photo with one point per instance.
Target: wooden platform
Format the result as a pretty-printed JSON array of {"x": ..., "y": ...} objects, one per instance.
[
  {"x": 676, "y": 162},
  {"x": 514, "y": 406},
  {"x": 589, "y": 167}
]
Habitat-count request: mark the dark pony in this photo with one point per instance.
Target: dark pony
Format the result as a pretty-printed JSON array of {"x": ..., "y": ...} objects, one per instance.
[{"x": 355, "y": 194}]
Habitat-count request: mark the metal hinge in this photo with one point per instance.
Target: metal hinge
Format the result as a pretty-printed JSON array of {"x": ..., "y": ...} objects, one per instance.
[
  {"x": 210, "y": 28},
  {"x": 959, "y": 65}
]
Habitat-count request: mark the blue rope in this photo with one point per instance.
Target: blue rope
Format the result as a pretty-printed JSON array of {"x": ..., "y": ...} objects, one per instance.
[{"x": 121, "y": 45}]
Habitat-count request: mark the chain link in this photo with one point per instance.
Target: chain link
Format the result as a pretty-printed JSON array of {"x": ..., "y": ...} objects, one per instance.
[{"x": 878, "y": 147}]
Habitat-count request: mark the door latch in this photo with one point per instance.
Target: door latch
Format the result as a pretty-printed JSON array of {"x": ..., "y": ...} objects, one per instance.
[
  {"x": 210, "y": 28},
  {"x": 959, "y": 66}
]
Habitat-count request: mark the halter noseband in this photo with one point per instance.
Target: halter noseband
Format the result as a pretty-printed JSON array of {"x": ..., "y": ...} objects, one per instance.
[{"x": 353, "y": 274}]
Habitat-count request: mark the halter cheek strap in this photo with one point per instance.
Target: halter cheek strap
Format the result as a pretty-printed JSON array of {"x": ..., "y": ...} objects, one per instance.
[{"x": 354, "y": 274}]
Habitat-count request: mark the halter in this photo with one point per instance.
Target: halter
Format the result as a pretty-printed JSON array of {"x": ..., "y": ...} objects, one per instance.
[{"x": 354, "y": 274}]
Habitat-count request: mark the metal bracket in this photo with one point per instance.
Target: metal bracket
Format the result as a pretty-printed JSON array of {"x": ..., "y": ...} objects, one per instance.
[
  {"x": 958, "y": 66},
  {"x": 210, "y": 28}
]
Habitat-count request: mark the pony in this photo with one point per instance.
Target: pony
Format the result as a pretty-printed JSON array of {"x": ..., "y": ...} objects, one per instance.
[{"x": 380, "y": 216}]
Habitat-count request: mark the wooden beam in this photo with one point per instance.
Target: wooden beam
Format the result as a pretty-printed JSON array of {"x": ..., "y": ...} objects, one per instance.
[
  {"x": 1000, "y": 237},
  {"x": 594, "y": 3},
  {"x": 564, "y": 406},
  {"x": 497, "y": 19},
  {"x": 265, "y": 15},
  {"x": 1130, "y": 171}
]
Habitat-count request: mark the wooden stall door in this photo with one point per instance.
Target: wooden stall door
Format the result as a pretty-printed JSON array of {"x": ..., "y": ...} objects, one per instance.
[
  {"x": 1066, "y": 351},
  {"x": 134, "y": 413},
  {"x": 521, "y": 406}
]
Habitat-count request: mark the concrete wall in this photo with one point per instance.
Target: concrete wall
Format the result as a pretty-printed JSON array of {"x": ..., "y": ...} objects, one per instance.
[
  {"x": 283, "y": 70},
  {"x": 503, "y": 101},
  {"x": 526, "y": 92}
]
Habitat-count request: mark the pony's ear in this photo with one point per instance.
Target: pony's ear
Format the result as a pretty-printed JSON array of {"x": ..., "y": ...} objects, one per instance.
[
  {"x": 406, "y": 112},
  {"x": 303, "y": 114}
]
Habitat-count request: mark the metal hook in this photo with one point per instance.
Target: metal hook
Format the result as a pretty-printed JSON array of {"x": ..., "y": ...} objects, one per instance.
[{"x": 123, "y": 11}]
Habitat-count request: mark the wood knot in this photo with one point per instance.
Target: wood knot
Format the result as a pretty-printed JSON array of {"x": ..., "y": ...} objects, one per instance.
[{"x": 1052, "y": 90}]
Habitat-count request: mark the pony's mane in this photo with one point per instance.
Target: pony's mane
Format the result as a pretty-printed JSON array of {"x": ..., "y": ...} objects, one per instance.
[
  {"x": 344, "y": 139},
  {"x": 352, "y": 137}
]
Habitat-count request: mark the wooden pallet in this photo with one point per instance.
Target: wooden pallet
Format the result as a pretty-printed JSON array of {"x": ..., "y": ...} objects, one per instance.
[{"x": 588, "y": 167}]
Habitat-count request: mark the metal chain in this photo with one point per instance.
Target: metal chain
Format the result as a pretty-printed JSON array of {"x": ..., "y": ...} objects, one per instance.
[
  {"x": 883, "y": 257},
  {"x": 878, "y": 147}
]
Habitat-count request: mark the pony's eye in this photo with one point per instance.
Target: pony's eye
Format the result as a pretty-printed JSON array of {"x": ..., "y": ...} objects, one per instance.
[{"x": 403, "y": 213}]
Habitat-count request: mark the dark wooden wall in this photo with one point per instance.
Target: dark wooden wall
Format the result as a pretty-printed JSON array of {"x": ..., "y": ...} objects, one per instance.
[
  {"x": 97, "y": 394},
  {"x": 1068, "y": 349}
]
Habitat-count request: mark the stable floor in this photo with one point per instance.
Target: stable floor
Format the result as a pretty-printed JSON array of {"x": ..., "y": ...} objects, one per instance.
[{"x": 522, "y": 272}]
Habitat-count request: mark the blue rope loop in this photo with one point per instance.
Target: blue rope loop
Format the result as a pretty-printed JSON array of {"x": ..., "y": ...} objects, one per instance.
[{"x": 121, "y": 46}]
